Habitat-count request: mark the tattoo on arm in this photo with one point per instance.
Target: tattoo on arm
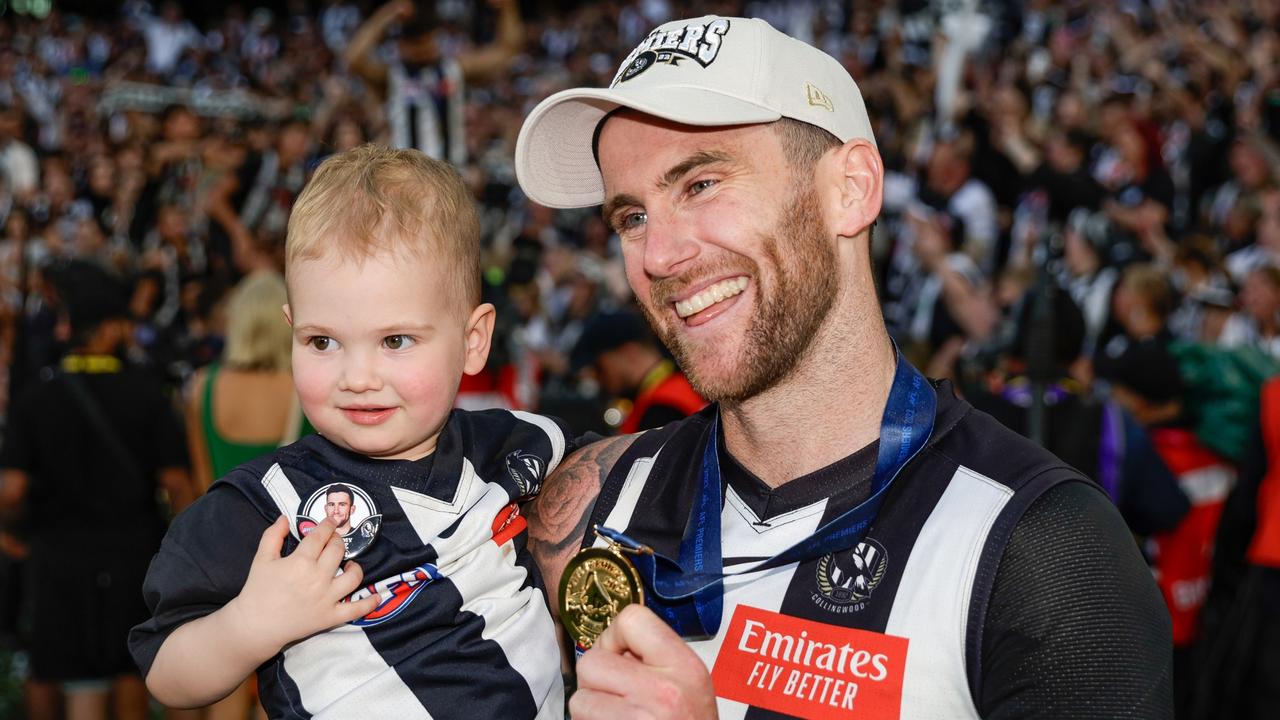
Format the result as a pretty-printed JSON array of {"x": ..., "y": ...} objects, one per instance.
[{"x": 558, "y": 517}]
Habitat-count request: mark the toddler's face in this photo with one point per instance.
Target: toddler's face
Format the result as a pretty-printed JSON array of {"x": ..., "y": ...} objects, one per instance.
[{"x": 379, "y": 348}]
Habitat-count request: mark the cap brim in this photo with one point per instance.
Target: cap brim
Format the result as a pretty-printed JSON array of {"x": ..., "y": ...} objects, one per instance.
[{"x": 555, "y": 164}]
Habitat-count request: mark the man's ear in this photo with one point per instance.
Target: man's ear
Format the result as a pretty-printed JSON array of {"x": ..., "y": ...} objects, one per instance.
[
  {"x": 853, "y": 179},
  {"x": 479, "y": 336},
  {"x": 288, "y": 314}
]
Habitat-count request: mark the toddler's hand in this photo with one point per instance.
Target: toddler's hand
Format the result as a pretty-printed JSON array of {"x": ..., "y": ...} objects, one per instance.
[{"x": 290, "y": 598}]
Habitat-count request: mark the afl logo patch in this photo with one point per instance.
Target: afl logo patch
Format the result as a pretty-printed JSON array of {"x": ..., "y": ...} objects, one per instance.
[
  {"x": 846, "y": 579},
  {"x": 396, "y": 593},
  {"x": 526, "y": 469},
  {"x": 350, "y": 508}
]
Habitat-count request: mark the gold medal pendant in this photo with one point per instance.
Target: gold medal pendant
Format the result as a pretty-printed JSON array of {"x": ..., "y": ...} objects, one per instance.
[{"x": 597, "y": 583}]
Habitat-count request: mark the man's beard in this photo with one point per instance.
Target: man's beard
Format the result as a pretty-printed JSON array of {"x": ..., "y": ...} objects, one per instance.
[{"x": 783, "y": 324}]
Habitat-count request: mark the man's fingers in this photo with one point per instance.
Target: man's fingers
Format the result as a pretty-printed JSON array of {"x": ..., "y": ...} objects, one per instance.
[
  {"x": 314, "y": 543},
  {"x": 640, "y": 631},
  {"x": 272, "y": 541},
  {"x": 587, "y": 704},
  {"x": 616, "y": 674}
]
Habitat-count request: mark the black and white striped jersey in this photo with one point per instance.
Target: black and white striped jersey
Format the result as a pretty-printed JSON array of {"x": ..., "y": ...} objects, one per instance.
[
  {"x": 922, "y": 618},
  {"x": 425, "y": 108},
  {"x": 463, "y": 630}
]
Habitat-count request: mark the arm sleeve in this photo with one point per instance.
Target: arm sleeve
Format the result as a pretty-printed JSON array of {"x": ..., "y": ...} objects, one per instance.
[
  {"x": 1075, "y": 627},
  {"x": 201, "y": 566}
]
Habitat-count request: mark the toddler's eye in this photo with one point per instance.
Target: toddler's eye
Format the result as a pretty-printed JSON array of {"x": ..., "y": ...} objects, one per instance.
[
  {"x": 397, "y": 342},
  {"x": 322, "y": 343}
]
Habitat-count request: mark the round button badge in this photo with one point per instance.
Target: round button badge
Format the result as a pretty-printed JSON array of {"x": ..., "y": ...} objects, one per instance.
[{"x": 352, "y": 511}]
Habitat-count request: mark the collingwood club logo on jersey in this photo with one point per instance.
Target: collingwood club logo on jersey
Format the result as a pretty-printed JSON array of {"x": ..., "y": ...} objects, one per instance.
[
  {"x": 846, "y": 579},
  {"x": 527, "y": 470},
  {"x": 693, "y": 42}
]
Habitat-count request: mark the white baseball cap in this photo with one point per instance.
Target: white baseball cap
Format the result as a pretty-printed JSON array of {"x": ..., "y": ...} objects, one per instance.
[{"x": 706, "y": 71}]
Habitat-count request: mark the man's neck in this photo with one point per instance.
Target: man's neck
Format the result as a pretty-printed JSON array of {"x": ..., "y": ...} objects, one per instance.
[{"x": 827, "y": 409}]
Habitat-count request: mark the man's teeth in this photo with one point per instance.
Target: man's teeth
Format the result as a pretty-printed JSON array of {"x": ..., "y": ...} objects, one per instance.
[{"x": 720, "y": 291}]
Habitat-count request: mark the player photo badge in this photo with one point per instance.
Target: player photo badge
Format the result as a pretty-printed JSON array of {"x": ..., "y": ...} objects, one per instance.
[
  {"x": 597, "y": 583},
  {"x": 352, "y": 511}
]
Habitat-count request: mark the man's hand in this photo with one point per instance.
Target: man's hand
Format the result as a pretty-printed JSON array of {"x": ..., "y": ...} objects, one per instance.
[
  {"x": 639, "y": 668},
  {"x": 290, "y": 598}
]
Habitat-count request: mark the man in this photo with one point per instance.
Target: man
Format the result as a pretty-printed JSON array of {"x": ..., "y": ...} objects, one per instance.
[
  {"x": 738, "y": 166},
  {"x": 88, "y": 450},
  {"x": 423, "y": 87},
  {"x": 337, "y": 507},
  {"x": 631, "y": 368},
  {"x": 251, "y": 205}
]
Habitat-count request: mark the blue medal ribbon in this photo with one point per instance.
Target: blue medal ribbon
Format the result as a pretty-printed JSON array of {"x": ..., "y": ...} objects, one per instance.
[{"x": 688, "y": 592}]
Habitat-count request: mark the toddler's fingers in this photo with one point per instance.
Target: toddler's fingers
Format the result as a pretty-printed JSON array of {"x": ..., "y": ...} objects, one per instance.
[
  {"x": 357, "y": 609},
  {"x": 272, "y": 541},
  {"x": 350, "y": 579},
  {"x": 314, "y": 543},
  {"x": 332, "y": 553}
]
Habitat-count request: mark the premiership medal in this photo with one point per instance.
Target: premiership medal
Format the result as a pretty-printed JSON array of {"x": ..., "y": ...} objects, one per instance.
[{"x": 597, "y": 583}]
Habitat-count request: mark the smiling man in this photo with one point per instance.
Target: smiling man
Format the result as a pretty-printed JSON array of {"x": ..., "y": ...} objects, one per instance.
[
  {"x": 834, "y": 534},
  {"x": 337, "y": 507}
]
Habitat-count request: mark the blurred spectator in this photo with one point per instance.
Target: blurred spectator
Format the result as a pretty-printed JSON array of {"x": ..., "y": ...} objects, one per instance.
[
  {"x": 629, "y": 366},
  {"x": 244, "y": 406},
  {"x": 168, "y": 36},
  {"x": 19, "y": 169},
  {"x": 252, "y": 204},
  {"x": 1140, "y": 309},
  {"x": 422, "y": 83},
  {"x": 1147, "y": 384},
  {"x": 1265, "y": 249},
  {"x": 1241, "y": 621},
  {"x": 1207, "y": 298},
  {"x": 86, "y": 452},
  {"x": 1097, "y": 437},
  {"x": 1258, "y": 321}
]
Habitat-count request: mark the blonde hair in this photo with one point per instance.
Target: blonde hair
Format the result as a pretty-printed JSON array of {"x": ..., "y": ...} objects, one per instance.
[
  {"x": 1150, "y": 284},
  {"x": 373, "y": 198},
  {"x": 258, "y": 337}
]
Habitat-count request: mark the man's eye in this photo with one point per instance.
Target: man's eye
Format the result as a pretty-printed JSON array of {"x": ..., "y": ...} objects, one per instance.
[
  {"x": 322, "y": 343},
  {"x": 397, "y": 342},
  {"x": 631, "y": 221},
  {"x": 700, "y": 185}
]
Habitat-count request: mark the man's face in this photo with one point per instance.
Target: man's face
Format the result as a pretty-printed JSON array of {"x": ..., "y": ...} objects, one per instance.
[
  {"x": 727, "y": 253},
  {"x": 337, "y": 506}
]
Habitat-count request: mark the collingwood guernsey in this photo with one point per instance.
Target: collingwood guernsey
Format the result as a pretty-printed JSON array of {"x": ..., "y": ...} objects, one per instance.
[
  {"x": 994, "y": 580},
  {"x": 463, "y": 630}
]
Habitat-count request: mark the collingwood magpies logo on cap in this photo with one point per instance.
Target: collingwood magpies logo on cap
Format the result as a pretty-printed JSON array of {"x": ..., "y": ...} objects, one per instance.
[{"x": 672, "y": 44}]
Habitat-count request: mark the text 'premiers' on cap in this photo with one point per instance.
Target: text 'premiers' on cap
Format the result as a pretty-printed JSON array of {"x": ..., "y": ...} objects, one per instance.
[{"x": 707, "y": 71}]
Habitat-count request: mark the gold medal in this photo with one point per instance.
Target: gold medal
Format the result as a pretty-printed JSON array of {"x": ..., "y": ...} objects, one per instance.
[{"x": 597, "y": 583}]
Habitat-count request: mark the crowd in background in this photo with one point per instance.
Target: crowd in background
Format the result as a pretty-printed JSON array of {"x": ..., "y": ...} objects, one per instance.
[{"x": 1097, "y": 178}]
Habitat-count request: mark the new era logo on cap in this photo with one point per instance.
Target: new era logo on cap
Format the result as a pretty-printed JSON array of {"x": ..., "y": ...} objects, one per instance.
[{"x": 707, "y": 71}]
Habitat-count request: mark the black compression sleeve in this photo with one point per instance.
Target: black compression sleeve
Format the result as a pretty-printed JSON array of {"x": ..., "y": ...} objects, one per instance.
[{"x": 1075, "y": 627}]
